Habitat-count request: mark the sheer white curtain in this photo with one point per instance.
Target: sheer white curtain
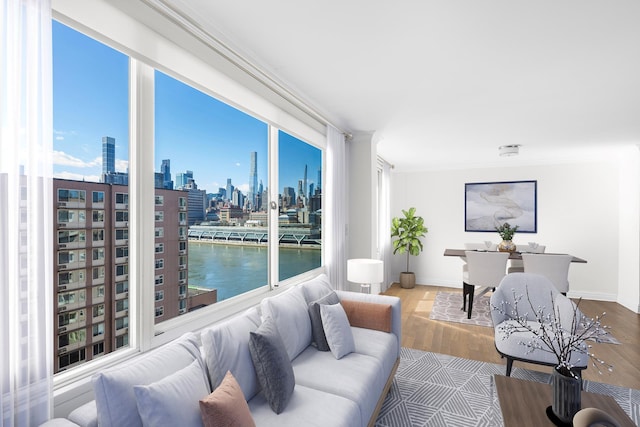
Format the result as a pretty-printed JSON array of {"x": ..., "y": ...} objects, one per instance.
[
  {"x": 26, "y": 213},
  {"x": 384, "y": 220},
  {"x": 335, "y": 217}
]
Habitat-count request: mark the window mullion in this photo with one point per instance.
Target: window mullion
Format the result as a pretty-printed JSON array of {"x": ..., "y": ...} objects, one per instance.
[
  {"x": 142, "y": 204},
  {"x": 273, "y": 207}
]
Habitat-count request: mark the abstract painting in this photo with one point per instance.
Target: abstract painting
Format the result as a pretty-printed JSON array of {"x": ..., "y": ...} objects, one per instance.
[{"x": 488, "y": 205}]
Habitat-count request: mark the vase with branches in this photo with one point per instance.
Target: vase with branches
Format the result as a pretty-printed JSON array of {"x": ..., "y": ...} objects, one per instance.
[
  {"x": 562, "y": 331},
  {"x": 506, "y": 232}
]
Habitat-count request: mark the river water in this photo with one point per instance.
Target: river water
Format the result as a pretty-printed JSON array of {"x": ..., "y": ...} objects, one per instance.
[{"x": 235, "y": 269}]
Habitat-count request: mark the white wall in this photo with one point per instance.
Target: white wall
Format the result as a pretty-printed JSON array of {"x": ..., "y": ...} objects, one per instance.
[{"x": 578, "y": 213}]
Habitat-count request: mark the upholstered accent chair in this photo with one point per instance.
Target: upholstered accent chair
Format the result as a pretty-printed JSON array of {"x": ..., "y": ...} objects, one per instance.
[{"x": 537, "y": 293}]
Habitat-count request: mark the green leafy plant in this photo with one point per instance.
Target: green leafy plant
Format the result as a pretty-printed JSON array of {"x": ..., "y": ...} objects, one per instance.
[
  {"x": 408, "y": 230},
  {"x": 506, "y": 231}
]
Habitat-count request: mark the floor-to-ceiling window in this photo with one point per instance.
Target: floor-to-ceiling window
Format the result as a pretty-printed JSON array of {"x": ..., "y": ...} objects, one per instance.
[
  {"x": 211, "y": 218},
  {"x": 91, "y": 151}
]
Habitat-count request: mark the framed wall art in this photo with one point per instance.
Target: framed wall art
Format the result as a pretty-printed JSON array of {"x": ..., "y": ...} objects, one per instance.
[{"x": 488, "y": 205}]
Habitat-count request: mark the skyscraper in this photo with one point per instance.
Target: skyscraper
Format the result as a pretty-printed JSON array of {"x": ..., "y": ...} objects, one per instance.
[
  {"x": 108, "y": 155},
  {"x": 304, "y": 186},
  {"x": 253, "y": 179},
  {"x": 165, "y": 169},
  {"x": 319, "y": 183},
  {"x": 229, "y": 189}
]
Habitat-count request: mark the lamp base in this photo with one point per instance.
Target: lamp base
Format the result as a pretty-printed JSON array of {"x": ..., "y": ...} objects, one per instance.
[{"x": 365, "y": 288}]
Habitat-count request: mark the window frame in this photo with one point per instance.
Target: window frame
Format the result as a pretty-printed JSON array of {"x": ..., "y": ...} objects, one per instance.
[{"x": 102, "y": 23}]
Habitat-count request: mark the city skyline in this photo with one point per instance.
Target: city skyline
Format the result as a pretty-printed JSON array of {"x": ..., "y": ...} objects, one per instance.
[{"x": 194, "y": 130}]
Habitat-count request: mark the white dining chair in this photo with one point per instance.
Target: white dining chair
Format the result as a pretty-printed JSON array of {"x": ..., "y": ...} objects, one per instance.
[
  {"x": 484, "y": 270},
  {"x": 516, "y": 265},
  {"x": 555, "y": 267}
]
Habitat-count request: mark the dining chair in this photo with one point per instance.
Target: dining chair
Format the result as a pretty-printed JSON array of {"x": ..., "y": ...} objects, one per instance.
[
  {"x": 555, "y": 267},
  {"x": 483, "y": 270},
  {"x": 516, "y": 265}
]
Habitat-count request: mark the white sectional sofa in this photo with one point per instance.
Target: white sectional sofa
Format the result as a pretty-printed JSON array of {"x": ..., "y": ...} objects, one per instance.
[{"x": 328, "y": 391}]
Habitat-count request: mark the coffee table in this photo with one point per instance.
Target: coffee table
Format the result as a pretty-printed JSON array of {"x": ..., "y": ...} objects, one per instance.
[{"x": 524, "y": 403}]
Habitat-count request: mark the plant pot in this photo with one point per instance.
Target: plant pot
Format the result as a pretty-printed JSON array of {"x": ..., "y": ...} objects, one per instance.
[
  {"x": 566, "y": 394},
  {"x": 407, "y": 280},
  {"x": 507, "y": 246}
]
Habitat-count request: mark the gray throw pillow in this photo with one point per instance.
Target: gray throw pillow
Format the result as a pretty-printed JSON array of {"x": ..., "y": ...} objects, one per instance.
[
  {"x": 273, "y": 368},
  {"x": 317, "y": 331}
]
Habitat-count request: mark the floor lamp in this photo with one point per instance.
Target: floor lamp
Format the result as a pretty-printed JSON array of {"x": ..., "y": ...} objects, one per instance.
[{"x": 365, "y": 272}]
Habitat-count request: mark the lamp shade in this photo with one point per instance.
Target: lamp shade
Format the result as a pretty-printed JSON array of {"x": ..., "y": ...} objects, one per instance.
[{"x": 362, "y": 270}]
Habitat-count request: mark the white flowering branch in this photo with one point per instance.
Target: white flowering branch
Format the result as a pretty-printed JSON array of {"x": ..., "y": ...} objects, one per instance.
[{"x": 549, "y": 335}]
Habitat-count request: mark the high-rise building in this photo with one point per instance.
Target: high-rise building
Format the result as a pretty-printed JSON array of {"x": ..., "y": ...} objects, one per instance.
[
  {"x": 108, "y": 155},
  {"x": 165, "y": 170},
  {"x": 182, "y": 179},
  {"x": 229, "y": 189},
  {"x": 91, "y": 269},
  {"x": 304, "y": 182},
  {"x": 319, "y": 183},
  {"x": 253, "y": 180}
]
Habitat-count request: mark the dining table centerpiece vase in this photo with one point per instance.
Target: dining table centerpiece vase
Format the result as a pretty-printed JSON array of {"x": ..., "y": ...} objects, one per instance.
[
  {"x": 561, "y": 331},
  {"x": 506, "y": 232}
]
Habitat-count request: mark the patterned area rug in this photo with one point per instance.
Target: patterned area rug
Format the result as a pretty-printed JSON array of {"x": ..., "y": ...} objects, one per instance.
[
  {"x": 448, "y": 307},
  {"x": 438, "y": 390}
]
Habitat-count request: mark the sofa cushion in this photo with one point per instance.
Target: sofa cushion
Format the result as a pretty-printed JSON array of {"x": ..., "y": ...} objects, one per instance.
[
  {"x": 226, "y": 406},
  {"x": 308, "y": 407},
  {"x": 226, "y": 348},
  {"x": 368, "y": 315},
  {"x": 272, "y": 364},
  {"x": 113, "y": 388},
  {"x": 173, "y": 400},
  {"x": 337, "y": 329},
  {"x": 319, "y": 337},
  {"x": 377, "y": 344},
  {"x": 290, "y": 313},
  {"x": 357, "y": 377},
  {"x": 316, "y": 288}
]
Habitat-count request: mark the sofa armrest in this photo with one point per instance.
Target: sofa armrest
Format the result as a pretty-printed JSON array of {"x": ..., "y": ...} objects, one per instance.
[
  {"x": 394, "y": 302},
  {"x": 85, "y": 415}
]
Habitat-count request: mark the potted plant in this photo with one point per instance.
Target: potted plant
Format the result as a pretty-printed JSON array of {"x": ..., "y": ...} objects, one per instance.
[
  {"x": 408, "y": 231},
  {"x": 506, "y": 232}
]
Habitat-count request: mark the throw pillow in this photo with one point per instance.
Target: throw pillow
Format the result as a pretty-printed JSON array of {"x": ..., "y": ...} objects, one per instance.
[
  {"x": 338, "y": 331},
  {"x": 368, "y": 315},
  {"x": 319, "y": 337},
  {"x": 226, "y": 407},
  {"x": 273, "y": 368},
  {"x": 173, "y": 400},
  {"x": 290, "y": 314},
  {"x": 316, "y": 288}
]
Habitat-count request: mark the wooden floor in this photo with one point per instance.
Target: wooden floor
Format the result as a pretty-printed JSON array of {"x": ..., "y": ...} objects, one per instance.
[{"x": 476, "y": 342}]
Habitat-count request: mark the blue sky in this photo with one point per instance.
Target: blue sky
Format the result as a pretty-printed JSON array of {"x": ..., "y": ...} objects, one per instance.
[{"x": 195, "y": 131}]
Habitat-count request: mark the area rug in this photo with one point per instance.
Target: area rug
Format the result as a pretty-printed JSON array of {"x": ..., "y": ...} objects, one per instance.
[
  {"x": 438, "y": 390},
  {"x": 447, "y": 306}
]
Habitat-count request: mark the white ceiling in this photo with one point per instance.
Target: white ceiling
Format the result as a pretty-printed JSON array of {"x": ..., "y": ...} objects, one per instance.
[{"x": 444, "y": 83}]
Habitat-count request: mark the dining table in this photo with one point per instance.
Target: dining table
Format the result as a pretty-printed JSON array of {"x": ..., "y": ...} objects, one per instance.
[{"x": 512, "y": 255}]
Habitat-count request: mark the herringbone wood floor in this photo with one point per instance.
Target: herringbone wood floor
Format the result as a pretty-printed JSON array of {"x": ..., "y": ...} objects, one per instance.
[{"x": 476, "y": 342}]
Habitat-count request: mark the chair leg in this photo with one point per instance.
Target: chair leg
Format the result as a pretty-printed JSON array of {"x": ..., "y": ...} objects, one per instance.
[
  {"x": 509, "y": 365},
  {"x": 466, "y": 291},
  {"x": 471, "y": 290}
]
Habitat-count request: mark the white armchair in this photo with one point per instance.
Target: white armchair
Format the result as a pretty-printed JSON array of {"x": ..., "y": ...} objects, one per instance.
[{"x": 537, "y": 293}]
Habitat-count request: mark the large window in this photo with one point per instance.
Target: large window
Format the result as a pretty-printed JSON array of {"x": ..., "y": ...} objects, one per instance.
[
  {"x": 91, "y": 133},
  {"x": 300, "y": 207},
  {"x": 212, "y": 223}
]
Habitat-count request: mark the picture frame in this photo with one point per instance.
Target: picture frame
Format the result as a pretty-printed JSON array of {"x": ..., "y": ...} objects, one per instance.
[{"x": 488, "y": 205}]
